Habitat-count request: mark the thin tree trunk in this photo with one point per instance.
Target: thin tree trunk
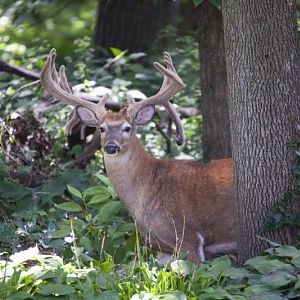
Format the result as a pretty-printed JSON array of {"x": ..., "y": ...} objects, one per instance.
[
  {"x": 213, "y": 82},
  {"x": 132, "y": 24},
  {"x": 263, "y": 86}
]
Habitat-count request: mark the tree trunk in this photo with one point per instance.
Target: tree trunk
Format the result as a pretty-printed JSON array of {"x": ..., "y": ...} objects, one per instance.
[
  {"x": 132, "y": 24},
  {"x": 263, "y": 87},
  {"x": 213, "y": 82}
]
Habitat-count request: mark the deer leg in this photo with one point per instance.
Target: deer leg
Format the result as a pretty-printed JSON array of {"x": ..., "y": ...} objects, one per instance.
[
  {"x": 221, "y": 248},
  {"x": 201, "y": 246}
]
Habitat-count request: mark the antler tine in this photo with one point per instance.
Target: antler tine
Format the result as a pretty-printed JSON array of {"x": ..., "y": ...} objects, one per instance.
[
  {"x": 58, "y": 87},
  {"x": 73, "y": 120},
  {"x": 171, "y": 85},
  {"x": 63, "y": 80},
  {"x": 180, "y": 135}
]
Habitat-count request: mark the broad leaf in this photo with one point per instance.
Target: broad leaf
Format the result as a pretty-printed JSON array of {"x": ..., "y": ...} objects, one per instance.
[
  {"x": 260, "y": 291},
  {"x": 264, "y": 265},
  {"x": 99, "y": 199},
  {"x": 56, "y": 288},
  {"x": 108, "y": 210},
  {"x": 277, "y": 279},
  {"x": 106, "y": 295},
  {"x": 103, "y": 178},
  {"x": 69, "y": 206},
  {"x": 86, "y": 243},
  {"x": 60, "y": 233},
  {"x": 20, "y": 296},
  {"x": 74, "y": 191},
  {"x": 284, "y": 251},
  {"x": 96, "y": 190},
  {"x": 215, "y": 292},
  {"x": 296, "y": 261}
]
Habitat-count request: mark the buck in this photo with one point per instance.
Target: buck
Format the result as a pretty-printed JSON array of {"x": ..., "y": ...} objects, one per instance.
[{"x": 178, "y": 205}]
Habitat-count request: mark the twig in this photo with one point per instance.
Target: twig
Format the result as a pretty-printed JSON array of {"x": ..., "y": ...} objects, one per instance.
[
  {"x": 8, "y": 68},
  {"x": 26, "y": 86}
]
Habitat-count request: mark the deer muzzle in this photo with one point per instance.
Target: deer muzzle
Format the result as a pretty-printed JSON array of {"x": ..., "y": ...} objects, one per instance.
[{"x": 112, "y": 148}]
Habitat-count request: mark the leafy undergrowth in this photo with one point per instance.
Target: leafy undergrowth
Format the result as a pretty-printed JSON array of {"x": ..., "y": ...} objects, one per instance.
[
  {"x": 78, "y": 242},
  {"x": 30, "y": 275}
]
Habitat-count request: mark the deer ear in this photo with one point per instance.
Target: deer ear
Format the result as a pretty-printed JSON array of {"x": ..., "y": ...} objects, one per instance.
[
  {"x": 86, "y": 116},
  {"x": 144, "y": 116}
]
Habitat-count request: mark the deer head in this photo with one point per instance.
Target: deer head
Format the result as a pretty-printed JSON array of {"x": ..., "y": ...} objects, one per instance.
[{"x": 116, "y": 129}]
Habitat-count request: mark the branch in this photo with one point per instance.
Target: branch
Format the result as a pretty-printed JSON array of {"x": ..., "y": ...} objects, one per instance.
[
  {"x": 185, "y": 112},
  {"x": 8, "y": 68}
]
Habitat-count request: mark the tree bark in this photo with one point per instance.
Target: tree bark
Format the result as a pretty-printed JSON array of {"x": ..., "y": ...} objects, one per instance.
[
  {"x": 263, "y": 86},
  {"x": 213, "y": 82},
  {"x": 132, "y": 24}
]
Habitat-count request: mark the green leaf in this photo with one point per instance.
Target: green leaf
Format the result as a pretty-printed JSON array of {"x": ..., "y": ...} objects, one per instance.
[
  {"x": 131, "y": 243},
  {"x": 13, "y": 191},
  {"x": 115, "y": 51},
  {"x": 127, "y": 227},
  {"x": 74, "y": 191},
  {"x": 297, "y": 284},
  {"x": 108, "y": 210},
  {"x": 235, "y": 273},
  {"x": 103, "y": 178},
  {"x": 197, "y": 2},
  {"x": 265, "y": 265},
  {"x": 296, "y": 261},
  {"x": 44, "y": 275},
  {"x": 19, "y": 296},
  {"x": 60, "y": 233},
  {"x": 294, "y": 294},
  {"x": 96, "y": 190},
  {"x": 69, "y": 206},
  {"x": 107, "y": 182},
  {"x": 3, "y": 167},
  {"x": 260, "y": 291},
  {"x": 108, "y": 295},
  {"x": 56, "y": 288},
  {"x": 215, "y": 292},
  {"x": 106, "y": 266},
  {"x": 287, "y": 251},
  {"x": 177, "y": 295},
  {"x": 99, "y": 199},
  {"x": 277, "y": 279},
  {"x": 86, "y": 243},
  {"x": 218, "y": 265}
]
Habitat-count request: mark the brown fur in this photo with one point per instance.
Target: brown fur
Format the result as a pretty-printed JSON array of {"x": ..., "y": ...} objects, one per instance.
[{"x": 172, "y": 200}]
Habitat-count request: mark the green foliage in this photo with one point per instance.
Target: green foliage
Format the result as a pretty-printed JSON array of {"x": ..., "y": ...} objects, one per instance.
[
  {"x": 286, "y": 212},
  {"x": 58, "y": 216},
  {"x": 31, "y": 275},
  {"x": 122, "y": 73},
  {"x": 72, "y": 237},
  {"x": 38, "y": 22}
]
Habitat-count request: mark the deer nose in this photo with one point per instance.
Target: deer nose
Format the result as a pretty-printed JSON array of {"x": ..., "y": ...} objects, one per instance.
[{"x": 112, "y": 148}]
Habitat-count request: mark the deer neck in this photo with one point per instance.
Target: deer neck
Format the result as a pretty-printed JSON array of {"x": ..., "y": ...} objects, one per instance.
[{"x": 130, "y": 173}]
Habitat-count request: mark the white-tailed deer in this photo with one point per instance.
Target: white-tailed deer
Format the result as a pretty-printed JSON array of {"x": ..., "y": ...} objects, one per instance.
[{"x": 177, "y": 204}]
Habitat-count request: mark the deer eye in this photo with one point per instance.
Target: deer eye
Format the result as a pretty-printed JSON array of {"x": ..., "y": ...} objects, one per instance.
[
  {"x": 127, "y": 129},
  {"x": 102, "y": 129}
]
